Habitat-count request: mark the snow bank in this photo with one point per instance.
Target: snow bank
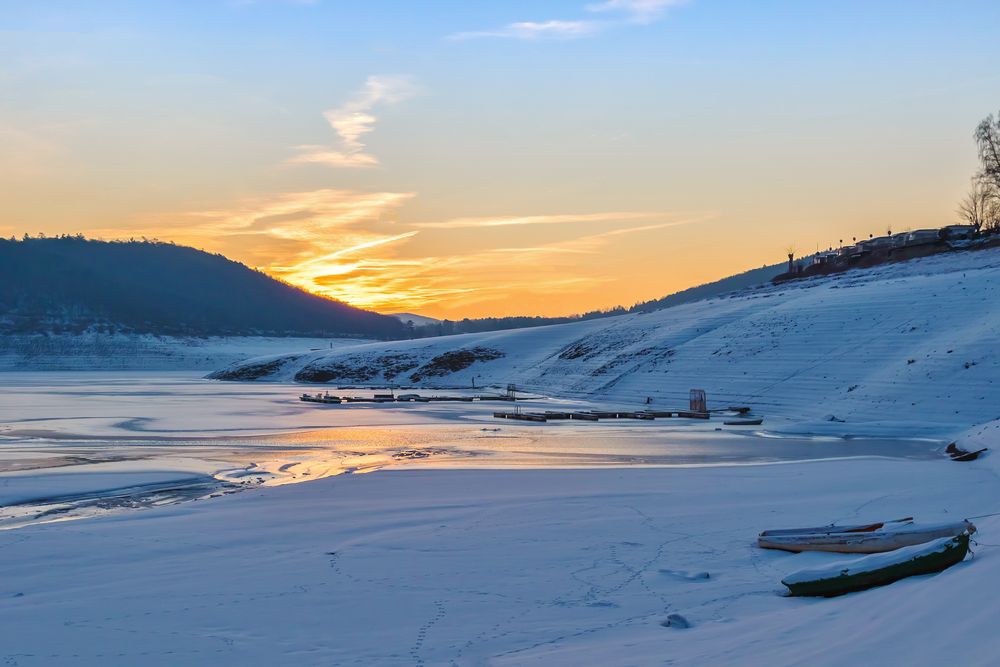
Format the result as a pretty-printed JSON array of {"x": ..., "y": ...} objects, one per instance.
[
  {"x": 983, "y": 435},
  {"x": 916, "y": 342},
  {"x": 32, "y": 487},
  {"x": 96, "y": 351}
]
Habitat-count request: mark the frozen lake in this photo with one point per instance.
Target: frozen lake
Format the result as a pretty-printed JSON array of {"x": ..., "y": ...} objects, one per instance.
[
  {"x": 72, "y": 444},
  {"x": 527, "y": 563}
]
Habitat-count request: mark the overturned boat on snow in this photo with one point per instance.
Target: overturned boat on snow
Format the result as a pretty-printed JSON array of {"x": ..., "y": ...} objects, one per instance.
[
  {"x": 874, "y": 538},
  {"x": 834, "y": 528},
  {"x": 879, "y": 569}
]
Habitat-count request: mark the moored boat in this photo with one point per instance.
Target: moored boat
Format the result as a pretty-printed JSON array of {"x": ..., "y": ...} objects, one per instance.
[
  {"x": 968, "y": 456},
  {"x": 958, "y": 454},
  {"x": 834, "y": 528},
  {"x": 887, "y": 538},
  {"x": 744, "y": 422},
  {"x": 879, "y": 569}
]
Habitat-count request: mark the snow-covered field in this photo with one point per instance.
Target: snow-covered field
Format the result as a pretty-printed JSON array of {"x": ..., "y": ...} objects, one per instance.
[
  {"x": 547, "y": 544},
  {"x": 97, "y": 351},
  {"x": 531, "y": 567}
]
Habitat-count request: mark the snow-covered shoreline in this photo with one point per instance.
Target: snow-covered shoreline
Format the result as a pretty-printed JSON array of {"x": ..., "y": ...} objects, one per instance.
[
  {"x": 547, "y": 567},
  {"x": 92, "y": 351}
]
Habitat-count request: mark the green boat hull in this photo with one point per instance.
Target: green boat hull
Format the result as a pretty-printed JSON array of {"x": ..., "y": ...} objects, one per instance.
[{"x": 847, "y": 582}]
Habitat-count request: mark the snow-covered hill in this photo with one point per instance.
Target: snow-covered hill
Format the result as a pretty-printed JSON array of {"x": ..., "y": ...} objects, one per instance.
[
  {"x": 417, "y": 320},
  {"x": 910, "y": 342}
]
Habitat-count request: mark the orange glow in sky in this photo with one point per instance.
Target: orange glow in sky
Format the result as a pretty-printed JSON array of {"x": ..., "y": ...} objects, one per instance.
[{"x": 489, "y": 159}]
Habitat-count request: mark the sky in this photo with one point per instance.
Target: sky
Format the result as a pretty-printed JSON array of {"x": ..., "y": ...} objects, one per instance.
[{"x": 469, "y": 159}]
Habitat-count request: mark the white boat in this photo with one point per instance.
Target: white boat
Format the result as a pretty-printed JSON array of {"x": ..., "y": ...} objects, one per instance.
[
  {"x": 834, "y": 528},
  {"x": 887, "y": 538}
]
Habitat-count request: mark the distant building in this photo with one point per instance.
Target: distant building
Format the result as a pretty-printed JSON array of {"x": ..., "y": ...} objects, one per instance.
[
  {"x": 848, "y": 251},
  {"x": 877, "y": 243},
  {"x": 891, "y": 247},
  {"x": 921, "y": 236},
  {"x": 825, "y": 258},
  {"x": 900, "y": 240},
  {"x": 955, "y": 232}
]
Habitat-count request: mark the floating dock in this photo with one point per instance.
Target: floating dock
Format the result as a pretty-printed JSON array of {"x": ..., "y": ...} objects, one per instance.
[
  {"x": 521, "y": 416},
  {"x": 320, "y": 398},
  {"x": 390, "y": 398},
  {"x": 686, "y": 414},
  {"x": 738, "y": 415},
  {"x": 597, "y": 415}
]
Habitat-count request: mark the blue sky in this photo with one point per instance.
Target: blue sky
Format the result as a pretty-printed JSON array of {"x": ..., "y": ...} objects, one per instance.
[{"x": 472, "y": 158}]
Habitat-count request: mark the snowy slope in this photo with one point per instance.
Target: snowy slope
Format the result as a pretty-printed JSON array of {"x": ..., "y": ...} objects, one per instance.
[
  {"x": 417, "y": 320},
  {"x": 98, "y": 351},
  {"x": 911, "y": 341}
]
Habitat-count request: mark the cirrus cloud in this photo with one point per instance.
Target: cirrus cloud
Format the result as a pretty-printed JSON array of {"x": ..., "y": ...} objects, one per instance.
[
  {"x": 614, "y": 12},
  {"x": 535, "y": 30},
  {"x": 354, "y": 119}
]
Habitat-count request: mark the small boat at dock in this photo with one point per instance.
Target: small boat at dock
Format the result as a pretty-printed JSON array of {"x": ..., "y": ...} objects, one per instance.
[
  {"x": 744, "y": 422},
  {"x": 879, "y": 569}
]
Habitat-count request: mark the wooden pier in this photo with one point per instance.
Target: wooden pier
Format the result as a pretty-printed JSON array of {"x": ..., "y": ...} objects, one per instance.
[
  {"x": 319, "y": 398},
  {"x": 686, "y": 414},
  {"x": 738, "y": 415},
  {"x": 391, "y": 398},
  {"x": 597, "y": 415},
  {"x": 521, "y": 416}
]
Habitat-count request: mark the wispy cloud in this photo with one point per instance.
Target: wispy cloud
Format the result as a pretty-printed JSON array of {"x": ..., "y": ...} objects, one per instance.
[
  {"x": 612, "y": 13},
  {"x": 535, "y": 30},
  {"x": 638, "y": 11},
  {"x": 593, "y": 243},
  {"x": 460, "y": 280},
  {"x": 491, "y": 275},
  {"x": 364, "y": 245},
  {"x": 281, "y": 232},
  {"x": 354, "y": 119},
  {"x": 459, "y": 223},
  {"x": 350, "y": 245}
]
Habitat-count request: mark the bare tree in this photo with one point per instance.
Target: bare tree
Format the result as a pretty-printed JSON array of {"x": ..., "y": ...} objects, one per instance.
[
  {"x": 991, "y": 217},
  {"x": 981, "y": 207},
  {"x": 972, "y": 209},
  {"x": 988, "y": 142}
]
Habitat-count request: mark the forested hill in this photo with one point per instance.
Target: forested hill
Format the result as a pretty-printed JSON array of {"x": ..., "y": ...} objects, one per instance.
[{"x": 74, "y": 284}]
